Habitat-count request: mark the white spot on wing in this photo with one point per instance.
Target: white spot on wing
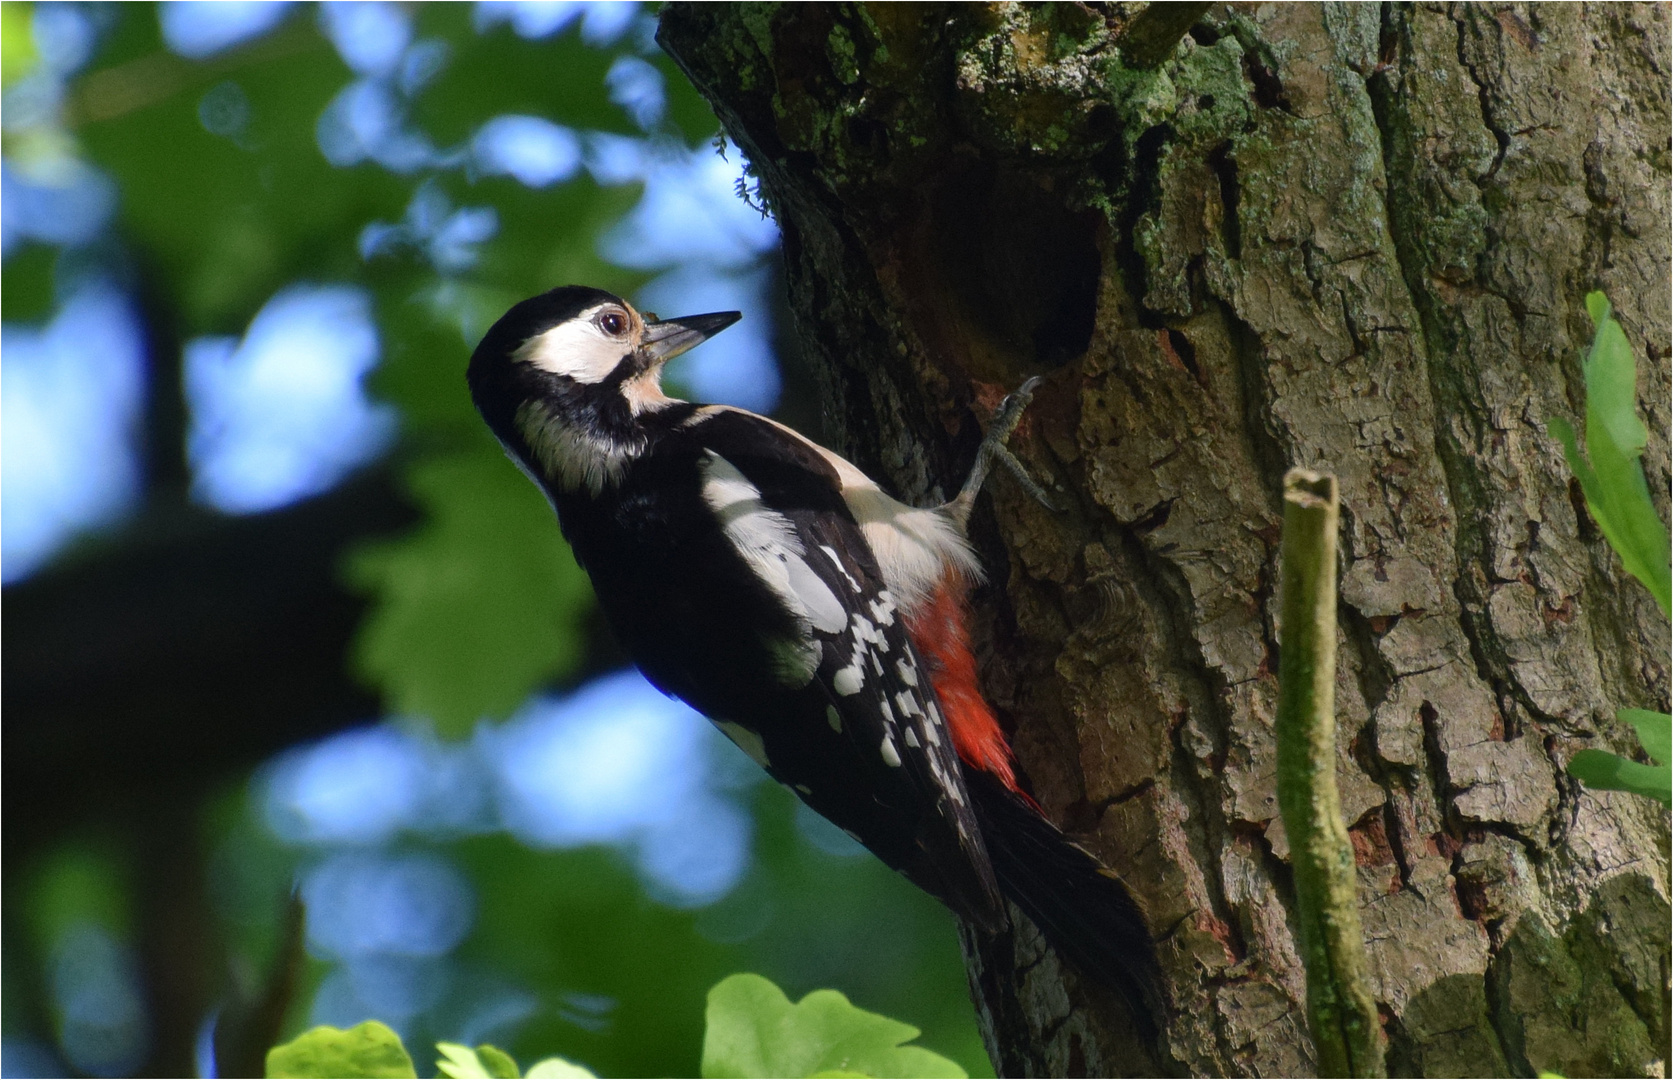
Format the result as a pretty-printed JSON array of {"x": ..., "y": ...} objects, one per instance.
[
  {"x": 848, "y": 681},
  {"x": 747, "y": 741},
  {"x": 908, "y": 673},
  {"x": 908, "y": 704},
  {"x": 891, "y": 756},
  {"x": 836, "y": 561},
  {"x": 912, "y": 739}
]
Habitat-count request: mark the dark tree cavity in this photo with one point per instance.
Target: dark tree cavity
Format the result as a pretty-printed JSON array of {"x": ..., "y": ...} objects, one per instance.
[{"x": 1354, "y": 238}]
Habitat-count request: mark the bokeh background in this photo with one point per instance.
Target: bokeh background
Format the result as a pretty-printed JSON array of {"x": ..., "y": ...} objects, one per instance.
[{"x": 281, "y": 621}]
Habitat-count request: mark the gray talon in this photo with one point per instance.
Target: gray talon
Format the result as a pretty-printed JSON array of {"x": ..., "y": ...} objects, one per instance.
[
  {"x": 993, "y": 447},
  {"x": 1029, "y": 484}
]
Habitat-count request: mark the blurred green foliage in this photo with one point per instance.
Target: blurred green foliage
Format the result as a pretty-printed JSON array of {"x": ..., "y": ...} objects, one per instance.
[
  {"x": 1618, "y": 498},
  {"x": 218, "y": 224},
  {"x": 17, "y": 45},
  {"x": 488, "y": 558},
  {"x": 481, "y": 603},
  {"x": 579, "y": 922}
]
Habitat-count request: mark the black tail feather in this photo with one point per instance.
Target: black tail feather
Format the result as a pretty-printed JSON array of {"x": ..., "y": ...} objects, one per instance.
[{"x": 1081, "y": 907}]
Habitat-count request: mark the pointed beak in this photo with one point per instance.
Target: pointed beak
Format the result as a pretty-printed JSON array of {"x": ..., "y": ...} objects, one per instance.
[{"x": 662, "y": 341}]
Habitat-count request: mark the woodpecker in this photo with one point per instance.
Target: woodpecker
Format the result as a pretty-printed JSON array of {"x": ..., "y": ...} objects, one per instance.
[{"x": 817, "y": 621}]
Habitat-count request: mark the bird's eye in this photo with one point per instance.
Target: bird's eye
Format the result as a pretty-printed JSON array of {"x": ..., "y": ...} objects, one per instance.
[{"x": 613, "y": 323}]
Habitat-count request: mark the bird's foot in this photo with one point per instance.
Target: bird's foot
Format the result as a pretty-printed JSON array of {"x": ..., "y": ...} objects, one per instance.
[{"x": 995, "y": 448}]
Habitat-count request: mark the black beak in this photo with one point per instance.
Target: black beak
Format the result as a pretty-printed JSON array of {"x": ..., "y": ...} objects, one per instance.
[{"x": 662, "y": 341}]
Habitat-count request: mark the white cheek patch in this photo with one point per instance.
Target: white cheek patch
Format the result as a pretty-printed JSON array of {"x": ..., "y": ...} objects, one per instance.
[
  {"x": 576, "y": 349},
  {"x": 768, "y": 543}
]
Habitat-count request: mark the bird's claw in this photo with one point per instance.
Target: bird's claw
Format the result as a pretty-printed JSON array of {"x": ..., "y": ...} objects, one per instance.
[
  {"x": 1029, "y": 484},
  {"x": 995, "y": 447}
]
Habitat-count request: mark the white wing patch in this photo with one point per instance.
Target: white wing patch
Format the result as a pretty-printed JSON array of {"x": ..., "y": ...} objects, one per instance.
[
  {"x": 914, "y": 548},
  {"x": 768, "y": 542}
]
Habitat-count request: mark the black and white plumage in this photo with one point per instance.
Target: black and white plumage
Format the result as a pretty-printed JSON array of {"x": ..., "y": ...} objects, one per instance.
[{"x": 773, "y": 586}]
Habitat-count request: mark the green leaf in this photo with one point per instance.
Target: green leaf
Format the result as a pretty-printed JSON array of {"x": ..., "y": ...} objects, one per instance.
[
  {"x": 486, "y": 1062},
  {"x": 479, "y": 606},
  {"x": 17, "y": 41},
  {"x": 1655, "y": 732},
  {"x": 556, "y": 1068},
  {"x": 365, "y": 1050},
  {"x": 754, "y": 1030},
  {"x": 1612, "y": 385},
  {"x": 498, "y": 1062},
  {"x": 1617, "y": 495},
  {"x": 461, "y": 1062},
  {"x": 1611, "y": 772}
]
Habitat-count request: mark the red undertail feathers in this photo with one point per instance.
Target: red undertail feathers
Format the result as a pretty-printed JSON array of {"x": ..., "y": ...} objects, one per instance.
[{"x": 940, "y": 630}]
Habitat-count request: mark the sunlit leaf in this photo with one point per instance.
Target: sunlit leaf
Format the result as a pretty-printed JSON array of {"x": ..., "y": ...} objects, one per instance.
[
  {"x": 479, "y": 606},
  {"x": 1617, "y": 495},
  {"x": 17, "y": 41},
  {"x": 486, "y": 1062},
  {"x": 754, "y": 1030},
  {"x": 1611, "y": 772},
  {"x": 556, "y": 1068},
  {"x": 365, "y": 1050},
  {"x": 1655, "y": 732}
]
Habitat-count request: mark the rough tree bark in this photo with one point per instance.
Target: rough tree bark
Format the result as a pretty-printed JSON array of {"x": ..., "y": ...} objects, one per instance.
[{"x": 1354, "y": 238}]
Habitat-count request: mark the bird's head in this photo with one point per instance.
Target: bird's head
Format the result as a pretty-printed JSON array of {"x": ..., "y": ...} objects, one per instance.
[{"x": 564, "y": 380}]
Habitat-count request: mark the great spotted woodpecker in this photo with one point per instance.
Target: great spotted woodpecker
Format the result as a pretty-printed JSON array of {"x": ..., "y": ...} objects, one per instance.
[{"x": 818, "y": 622}]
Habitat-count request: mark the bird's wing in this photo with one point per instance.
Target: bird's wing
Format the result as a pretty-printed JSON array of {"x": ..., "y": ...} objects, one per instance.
[{"x": 867, "y": 746}]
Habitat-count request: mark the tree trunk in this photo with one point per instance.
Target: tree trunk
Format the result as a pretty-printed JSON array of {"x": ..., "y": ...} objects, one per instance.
[{"x": 1350, "y": 237}]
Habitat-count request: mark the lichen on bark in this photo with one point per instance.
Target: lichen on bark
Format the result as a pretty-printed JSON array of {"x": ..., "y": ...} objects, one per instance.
[{"x": 1345, "y": 237}]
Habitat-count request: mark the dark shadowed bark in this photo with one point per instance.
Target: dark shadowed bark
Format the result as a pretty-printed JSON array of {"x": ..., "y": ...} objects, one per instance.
[{"x": 1354, "y": 238}]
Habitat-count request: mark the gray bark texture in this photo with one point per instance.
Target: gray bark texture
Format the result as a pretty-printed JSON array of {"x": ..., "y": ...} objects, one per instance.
[{"x": 1354, "y": 238}]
